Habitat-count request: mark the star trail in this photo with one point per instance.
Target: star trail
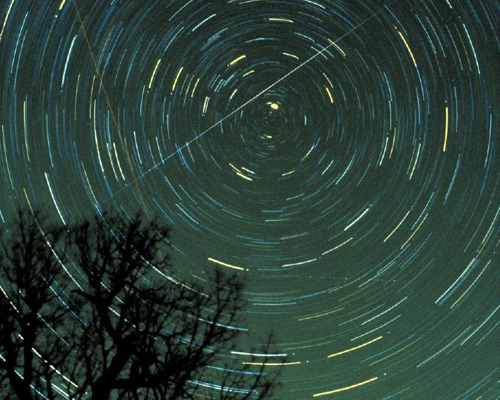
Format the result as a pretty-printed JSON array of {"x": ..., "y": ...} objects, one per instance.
[{"x": 342, "y": 156}]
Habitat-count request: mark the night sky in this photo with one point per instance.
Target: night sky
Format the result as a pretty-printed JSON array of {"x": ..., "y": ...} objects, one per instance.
[{"x": 343, "y": 157}]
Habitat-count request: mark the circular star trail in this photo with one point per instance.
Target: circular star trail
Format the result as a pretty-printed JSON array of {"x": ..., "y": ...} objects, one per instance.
[{"x": 342, "y": 157}]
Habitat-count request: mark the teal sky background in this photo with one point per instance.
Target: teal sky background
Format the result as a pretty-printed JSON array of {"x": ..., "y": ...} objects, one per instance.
[{"x": 342, "y": 157}]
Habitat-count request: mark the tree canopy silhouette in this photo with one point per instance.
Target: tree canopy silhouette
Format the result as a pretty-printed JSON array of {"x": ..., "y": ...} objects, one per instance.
[{"x": 93, "y": 311}]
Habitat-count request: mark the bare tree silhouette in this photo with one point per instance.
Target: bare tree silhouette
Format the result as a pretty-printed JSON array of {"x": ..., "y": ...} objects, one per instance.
[
  {"x": 31, "y": 312},
  {"x": 120, "y": 326}
]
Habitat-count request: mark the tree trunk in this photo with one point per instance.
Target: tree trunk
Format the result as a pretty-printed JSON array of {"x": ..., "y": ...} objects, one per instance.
[
  {"x": 21, "y": 387},
  {"x": 101, "y": 390},
  {"x": 102, "y": 387}
]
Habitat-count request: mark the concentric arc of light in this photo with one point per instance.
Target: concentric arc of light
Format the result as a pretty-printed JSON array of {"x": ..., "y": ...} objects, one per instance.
[
  {"x": 162, "y": 161},
  {"x": 346, "y": 388}
]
